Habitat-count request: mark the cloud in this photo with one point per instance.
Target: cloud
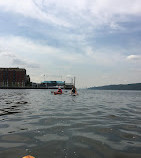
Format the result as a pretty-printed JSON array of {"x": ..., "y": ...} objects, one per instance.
[
  {"x": 7, "y": 54},
  {"x": 72, "y": 13},
  {"x": 134, "y": 57},
  {"x": 43, "y": 54},
  {"x": 104, "y": 56},
  {"x": 94, "y": 13},
  {"x": 19, "y": 62},
  {"x": 29, "y": 8},
  {"x": 16, "y": 60},
  {"x": 20, "y": 45}
]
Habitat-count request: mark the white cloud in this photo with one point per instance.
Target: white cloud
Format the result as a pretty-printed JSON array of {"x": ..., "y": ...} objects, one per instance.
[
  {"x": 76, "y": 13},
  {"x": 25, "y": 49},
  {"x": 30, "y": 49},
  {"x": 96, "y": 12},
  {"x": 28, "y": 8},
  {"x": 104, "y": 56},
  {"x": 7, "y": 53},
  {"x": 16, "y": 61},
  {"x": 116, "y": 7},
  {"x": 134, "y": 57},
  {"x": 20, "y": 46},
  {"x": 27, "y": 64},
  {"x": 97, "y": 6}
]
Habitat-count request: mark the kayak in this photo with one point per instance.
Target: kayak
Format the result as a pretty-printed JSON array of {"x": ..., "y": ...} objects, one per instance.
[
  {"x": 55, "y": 93},
  {"x": 74, "y": 94}
]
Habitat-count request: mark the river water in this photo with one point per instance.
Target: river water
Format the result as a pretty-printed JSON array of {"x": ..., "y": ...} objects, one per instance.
[{"x": 94, "y": 124}]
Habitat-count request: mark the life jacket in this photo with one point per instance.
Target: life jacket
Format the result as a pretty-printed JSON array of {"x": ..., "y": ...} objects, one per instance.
[
  {"x": 60, "y": 90},
  {"x": 73, "y": 90}
]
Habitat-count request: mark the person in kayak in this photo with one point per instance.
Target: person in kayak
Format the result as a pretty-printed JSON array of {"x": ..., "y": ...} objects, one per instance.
[
  {"x": 59, "y": 90},
  {"x": 73, "y": 91}
]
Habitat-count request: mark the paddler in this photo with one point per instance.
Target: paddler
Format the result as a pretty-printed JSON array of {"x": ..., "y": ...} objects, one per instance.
[
  {"x": 59, "y": 90},
  {"x": 73, "y": 91}
]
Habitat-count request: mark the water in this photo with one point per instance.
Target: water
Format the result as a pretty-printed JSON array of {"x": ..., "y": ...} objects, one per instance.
[{"x": 94, "y": 124}]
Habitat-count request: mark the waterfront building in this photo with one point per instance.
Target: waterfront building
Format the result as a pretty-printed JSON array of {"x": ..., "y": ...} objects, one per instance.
[
  {"x": 68, "y": 85},
  {"x": 53, "y": 84},
  {"x": 56, "y": 84},
  {"x": 27, "y": 81},
  {"x": 12, "y": 77}
]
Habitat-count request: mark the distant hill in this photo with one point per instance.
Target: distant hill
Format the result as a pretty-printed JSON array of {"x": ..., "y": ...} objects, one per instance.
[{"x": 134, "y": 86}]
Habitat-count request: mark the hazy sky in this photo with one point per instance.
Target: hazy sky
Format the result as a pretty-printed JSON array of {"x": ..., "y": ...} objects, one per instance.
[{"x": 98, "y": 41}]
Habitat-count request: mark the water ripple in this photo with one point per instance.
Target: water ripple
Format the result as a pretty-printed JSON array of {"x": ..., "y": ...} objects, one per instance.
[{"x": 95, "y": 124}]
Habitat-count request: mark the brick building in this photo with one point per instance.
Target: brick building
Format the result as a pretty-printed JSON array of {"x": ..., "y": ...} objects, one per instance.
[{"x": 12, "y": 77}]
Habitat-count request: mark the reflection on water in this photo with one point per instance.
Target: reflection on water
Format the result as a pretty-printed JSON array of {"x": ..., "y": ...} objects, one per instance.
[{"x": 94, "y": 124}]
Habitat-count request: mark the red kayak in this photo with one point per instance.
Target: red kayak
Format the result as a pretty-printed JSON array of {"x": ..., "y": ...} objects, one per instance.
[{"x": 55, "y": 93}]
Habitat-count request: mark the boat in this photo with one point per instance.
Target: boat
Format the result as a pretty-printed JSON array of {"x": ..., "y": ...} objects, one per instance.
[
  {"x": 74, "y": 94},
  {"x": 55, "y": 93}
]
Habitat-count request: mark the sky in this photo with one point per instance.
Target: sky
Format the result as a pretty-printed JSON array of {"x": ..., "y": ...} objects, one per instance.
[{"x": 97, "y": 41}]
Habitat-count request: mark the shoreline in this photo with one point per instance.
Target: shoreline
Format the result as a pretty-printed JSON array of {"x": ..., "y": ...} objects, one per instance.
[{"x": 32, "y": 88}]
